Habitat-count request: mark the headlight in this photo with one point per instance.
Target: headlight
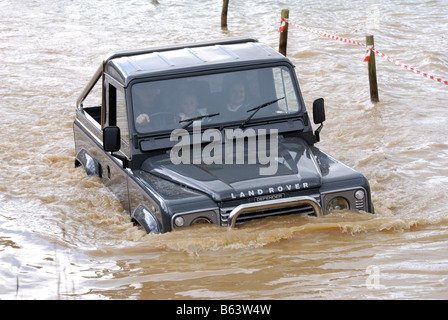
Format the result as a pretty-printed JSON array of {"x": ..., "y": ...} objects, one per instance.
[
  {"x": 338, "y": 203},
  {"x": 192, "y": 218},
  {"x": 200, "y": 220}
]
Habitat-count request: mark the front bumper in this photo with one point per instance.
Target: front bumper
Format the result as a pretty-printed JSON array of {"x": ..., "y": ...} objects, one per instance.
[{"x": 250, "y": 211}]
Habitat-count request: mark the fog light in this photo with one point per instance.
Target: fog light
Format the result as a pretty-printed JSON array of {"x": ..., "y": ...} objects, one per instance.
[
  {"x": 337, "y": 203},
  {"x": 360, "y": 194},
  {"x": 179, "y": 221}
]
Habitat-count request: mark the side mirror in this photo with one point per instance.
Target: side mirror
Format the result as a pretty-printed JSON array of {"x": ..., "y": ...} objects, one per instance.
[
  {"x": 318, "y": 111},
  {"x": 111, "y": 139},
  {"x": 318, "y": 117}
]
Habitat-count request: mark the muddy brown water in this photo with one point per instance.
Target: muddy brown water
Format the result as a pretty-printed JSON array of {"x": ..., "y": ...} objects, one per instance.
[{"x": 64, "y": 236}]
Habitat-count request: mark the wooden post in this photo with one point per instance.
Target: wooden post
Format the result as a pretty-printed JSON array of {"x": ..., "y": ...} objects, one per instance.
[
  {"x": 284, "y": 35},
  {"x": 372, "y": 72},
  {"x": 225, "y": 5}
]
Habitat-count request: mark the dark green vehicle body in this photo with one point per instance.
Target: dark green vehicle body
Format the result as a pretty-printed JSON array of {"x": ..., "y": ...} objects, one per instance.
[{"x": 161, "y": 190}]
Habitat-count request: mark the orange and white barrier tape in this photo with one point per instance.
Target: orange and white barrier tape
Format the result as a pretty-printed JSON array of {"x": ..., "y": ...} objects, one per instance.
[{"x": 369, "y": 49}]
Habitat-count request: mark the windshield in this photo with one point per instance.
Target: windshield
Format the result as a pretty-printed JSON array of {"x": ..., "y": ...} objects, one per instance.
[{"x": 214, "y": 99}]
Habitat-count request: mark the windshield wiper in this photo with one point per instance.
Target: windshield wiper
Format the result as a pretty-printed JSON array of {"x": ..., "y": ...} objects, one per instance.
[
  {"x": 261, "y": 106},
  {"x": 190, "y": 121}
]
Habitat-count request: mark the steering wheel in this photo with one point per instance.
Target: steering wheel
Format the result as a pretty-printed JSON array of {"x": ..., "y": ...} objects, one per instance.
[{"x": 157, "y": 121}]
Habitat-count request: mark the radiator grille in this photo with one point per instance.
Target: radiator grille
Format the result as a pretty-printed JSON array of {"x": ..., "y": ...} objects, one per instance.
[{"x": 304, "y": 209}]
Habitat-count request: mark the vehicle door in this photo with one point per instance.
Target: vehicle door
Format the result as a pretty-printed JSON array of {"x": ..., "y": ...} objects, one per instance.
[{"x": 115, "y": 176}]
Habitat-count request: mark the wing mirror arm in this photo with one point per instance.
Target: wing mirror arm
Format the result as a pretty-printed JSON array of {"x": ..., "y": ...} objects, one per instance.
[
  {"x": 112, "y": 143},
  {"x": 318, "y": 117}
]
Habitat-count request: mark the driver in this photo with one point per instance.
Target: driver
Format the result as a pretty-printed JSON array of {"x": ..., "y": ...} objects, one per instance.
[
  {"x": 144, "y": 103},
  {"x": 148, "y": 109}
]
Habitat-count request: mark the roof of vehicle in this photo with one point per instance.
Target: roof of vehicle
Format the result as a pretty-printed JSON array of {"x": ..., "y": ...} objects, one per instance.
[{"x": 129, "y": 65}]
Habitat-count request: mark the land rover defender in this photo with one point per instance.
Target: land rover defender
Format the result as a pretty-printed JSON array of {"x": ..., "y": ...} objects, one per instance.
[{"x": 210, "y": 132}]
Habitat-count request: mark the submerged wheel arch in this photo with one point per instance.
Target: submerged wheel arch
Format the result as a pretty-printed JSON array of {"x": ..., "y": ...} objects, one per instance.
[
  {"x": 147, "y": 220},
  {"x": 90, "y": 164}
]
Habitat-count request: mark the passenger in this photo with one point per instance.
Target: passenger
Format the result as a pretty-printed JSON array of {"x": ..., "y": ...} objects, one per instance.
[
  {"x": 190, "y": 106},
  {"x": 236, "y": 96},
  {"x": 235, "y": 103}
]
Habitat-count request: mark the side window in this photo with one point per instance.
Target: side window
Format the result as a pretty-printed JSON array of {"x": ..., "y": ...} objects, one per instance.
[
  {"x": 122, "y": 118},
  {"x": 92, "y": 101},
  {"x": 118, "y": 115},
  {"x": 284, "y": 87}
]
